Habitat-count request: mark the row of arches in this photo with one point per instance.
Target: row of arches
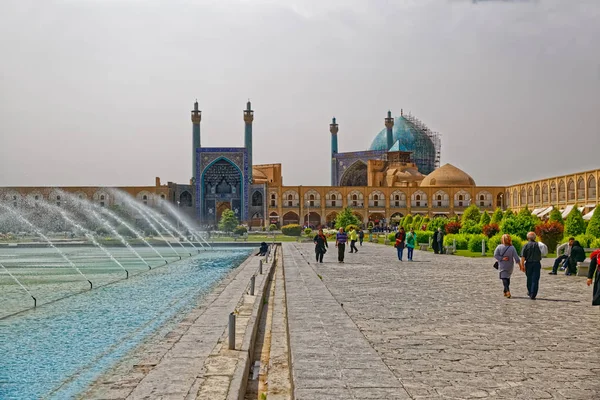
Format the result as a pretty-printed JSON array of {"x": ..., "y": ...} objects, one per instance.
[
  {"x": 100, "y": 197},
  {"x": 553, "y": 192},
  {"x": 376, "y": 198},
  {"x": 315, "y": 219}
]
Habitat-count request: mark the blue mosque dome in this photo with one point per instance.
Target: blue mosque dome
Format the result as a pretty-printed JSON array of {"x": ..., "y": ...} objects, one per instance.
[{"x": 408, "y": 137}]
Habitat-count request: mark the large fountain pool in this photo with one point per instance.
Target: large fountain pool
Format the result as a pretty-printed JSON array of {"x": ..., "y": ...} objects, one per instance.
[{"x": 58, "y": 349}]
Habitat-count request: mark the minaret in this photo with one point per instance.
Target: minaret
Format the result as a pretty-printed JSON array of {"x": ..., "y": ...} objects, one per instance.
[
  {"x": 389, "y": 124},
  {"x": 333, "y": 128},
  {"x": 248, "y": 118},
  {"x": 196, "y": 118}
]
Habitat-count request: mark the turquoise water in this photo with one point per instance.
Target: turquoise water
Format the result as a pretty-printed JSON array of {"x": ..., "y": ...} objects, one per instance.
[{"x": 58, "y": 349}]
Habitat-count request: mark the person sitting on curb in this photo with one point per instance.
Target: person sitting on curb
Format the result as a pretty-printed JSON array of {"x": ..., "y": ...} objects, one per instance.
[
  {"x": 577, "y": 255},
  {"x": 564, "y": 258}
]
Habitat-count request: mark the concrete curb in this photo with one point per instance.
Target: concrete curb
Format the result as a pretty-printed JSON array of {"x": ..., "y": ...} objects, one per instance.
[{"x": 237, "y": 387}]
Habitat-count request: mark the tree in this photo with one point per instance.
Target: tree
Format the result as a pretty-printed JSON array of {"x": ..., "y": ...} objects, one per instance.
[
  {"x": 228, "y": 221},
  {"x": 551, "y": 233},
  {"x": 416, "y": 225},
  {"x": 497, "y": 216},
  {"x": 593, "y": 227},
  {"x": 346, "y": 217},
  {"x": 407, "y": 222},
  {"x": 556, "y": 216},
  {"x": 508, "y": 213},
  {"x": 471, "y": 214},
  {"x": 574, "y": 224},
  {"x": 485, "y": 219},
  {"x": 437, "y": 222},
  {"x": 518, "y": 225}
]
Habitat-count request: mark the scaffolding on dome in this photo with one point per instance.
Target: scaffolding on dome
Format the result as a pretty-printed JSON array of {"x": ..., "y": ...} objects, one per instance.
[{"x": 434, "y": 137}]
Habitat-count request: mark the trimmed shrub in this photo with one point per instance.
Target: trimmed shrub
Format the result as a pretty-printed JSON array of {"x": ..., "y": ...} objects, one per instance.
[
  {"x": 550, "y": 233},
  {"x": 392, "y": 238},
  {"x": 272, "y": 227},
  {"x": 438, "y": 222},
  {"x": 470, "y": 227},
  {"x": 471, "y": 214},
  {"x": 462, "y": 241},
  {"x": 593, "y": 227},
  {"x": 518, "y": 225},
  {"x": 518, "y": 243},
  {"x": 424, "y": 223},
  {"x": 291, "y": 230},
  {"x": 574, "y": 224},
  {"x": 595, "y": 244},
  {"x": 508, "y": 213},
  {"x": 240, "y": 230},
  {"x": 416, "y": 225},
  {"x": 485, "y": 219},
  {"x": 585, "y": 240},
  {"x": 490, "y": 230},
  {"x": 307, "y": 231},
  {"x": 407, "y": 222},
  {"x": 423, "y": 236},
  {"x": 494, "y": 241},
  {"x": 556, "y": 216},
  {"x": 453, "y": 227},
  {"x": 475, "y": 243},
  {"x": 497, "y": 216}
]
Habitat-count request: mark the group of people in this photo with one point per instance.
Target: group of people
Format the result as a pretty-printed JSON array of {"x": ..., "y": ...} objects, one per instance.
[
  {"x": 341, "y": 239},
  {"x": 530, "y": 263},
  {"x": 407, "y": 240}
]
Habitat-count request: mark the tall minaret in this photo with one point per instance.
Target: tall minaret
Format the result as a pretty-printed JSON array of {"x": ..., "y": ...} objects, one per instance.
[
  {"x": 389, "y": 124},
  {"x": 333, "y": 128},
  {"x": 248, "y": 118},
  {"x": 196, "y": 118}
]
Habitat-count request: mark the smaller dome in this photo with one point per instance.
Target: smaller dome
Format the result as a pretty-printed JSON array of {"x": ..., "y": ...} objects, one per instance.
[{"x": 448, "y": 175}]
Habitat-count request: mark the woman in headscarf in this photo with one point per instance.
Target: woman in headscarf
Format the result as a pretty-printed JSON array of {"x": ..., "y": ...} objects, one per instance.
[
  {"x": 577, "y": 255},
  {"x": 320, "y": 245},
  {"x": 594, "y": 268},
  {"x": 507, "y": 256}
]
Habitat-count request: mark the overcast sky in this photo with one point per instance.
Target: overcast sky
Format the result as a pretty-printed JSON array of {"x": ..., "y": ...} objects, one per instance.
[{"x": 99, "y": 92}]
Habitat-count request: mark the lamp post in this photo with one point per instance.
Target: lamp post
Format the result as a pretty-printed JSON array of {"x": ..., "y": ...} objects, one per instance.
[{"x": 308, "y": 214}]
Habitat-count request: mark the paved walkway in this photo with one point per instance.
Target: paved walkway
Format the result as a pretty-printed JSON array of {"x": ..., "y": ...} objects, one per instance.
[{"x": 436, "y": 328}]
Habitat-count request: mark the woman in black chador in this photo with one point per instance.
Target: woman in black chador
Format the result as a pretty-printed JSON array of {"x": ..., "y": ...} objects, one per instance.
[
  {"x": 594, "y": 268},
  {"x": 320, "y": 245}
]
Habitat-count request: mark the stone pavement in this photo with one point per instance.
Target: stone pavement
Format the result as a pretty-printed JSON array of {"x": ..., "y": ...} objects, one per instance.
[{"x": 435, "y": 328}]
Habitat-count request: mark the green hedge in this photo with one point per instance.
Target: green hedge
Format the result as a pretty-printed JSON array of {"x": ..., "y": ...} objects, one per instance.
[
  {"x": 240, "y": 230},
  {"x": 462, "y": 241},
  {"x": 585, "y": 240},
  {"x": 392, "y": 238},
  {"x": 595, "y": 244},
  {"x": 475, "y": 243},
  {"x": 291, "y": 230},
  {"x": 423, "y": 236},
  {"x": 494, "y": 241},
  {"x": 272, "y": 227}
]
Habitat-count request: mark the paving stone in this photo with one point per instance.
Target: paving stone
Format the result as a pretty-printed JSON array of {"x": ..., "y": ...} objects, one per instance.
[{"x": 442, "y": 326}]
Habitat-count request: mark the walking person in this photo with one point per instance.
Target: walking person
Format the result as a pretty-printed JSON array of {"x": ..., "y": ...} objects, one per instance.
[
  {"x": 361, "y": 236},
  {"x": 410, "y": 244},
  {"x": 594, "y": 269},
  {"x": 399, "y": 245},
  {"x": 507, "y": 256},
  {"x": 321, "y": 245},
  {"x": 531, "y": 257},
  {"x": 353, "y": 236},
  {"x": 340, "y": 242}
]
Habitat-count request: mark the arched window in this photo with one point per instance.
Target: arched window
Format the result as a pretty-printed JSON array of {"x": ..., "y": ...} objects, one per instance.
[
  {"x": 311, "y": 200},
  {"x": 580, "y": 189},
  {"x": 290, "y": 200},
  {"x": 562, "y": 191},
  {"x": 523, "y": 197},
  {"x": 536, "y": 197},
  {"x": 545, "y": 193},
  {"x": 376, "y": 200},
  {"x": 439, "y": 200},
  {"x": 571, "y": 190},
  {"x": 145, "y": 199},
  {"x": 354, "y": 200},
  {"x": 592, "y": 188},
  {"x": 418, "y": 199},
  {"x": 553, "y": 193}
]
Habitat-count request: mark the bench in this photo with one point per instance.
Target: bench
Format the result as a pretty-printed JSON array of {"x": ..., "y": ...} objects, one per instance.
[
  {"x": 583, "y": 267},
  {"x": 450, "y": 249},
  {"x": 241, "y": 237},
  {"x": 423, "y": 246}
]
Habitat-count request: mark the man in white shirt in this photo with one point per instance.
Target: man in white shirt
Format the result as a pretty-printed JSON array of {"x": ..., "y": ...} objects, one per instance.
[{"x": 564, "y": 258}]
